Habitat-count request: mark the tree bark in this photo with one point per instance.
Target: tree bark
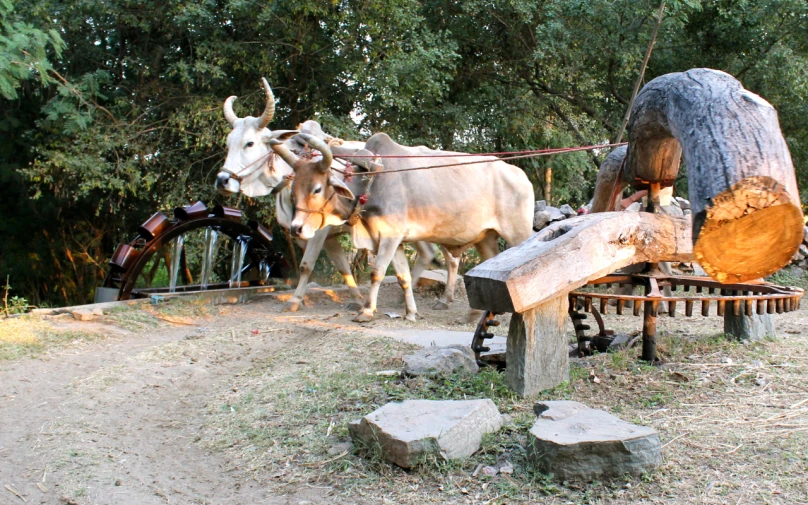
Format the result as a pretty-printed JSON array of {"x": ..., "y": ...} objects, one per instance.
[
  {"x": 567, "y": 254},
  {"x": 747, "y": 217},
  {"x": 609, "y": 184}
]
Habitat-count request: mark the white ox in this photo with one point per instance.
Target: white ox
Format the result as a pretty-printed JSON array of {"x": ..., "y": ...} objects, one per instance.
[
  {"x": 252, "y": 168},
  {"x": 457, "y": 207}
]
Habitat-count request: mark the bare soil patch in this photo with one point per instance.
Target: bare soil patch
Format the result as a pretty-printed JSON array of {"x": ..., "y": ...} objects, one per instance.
[{"x": 186, "y": 403}]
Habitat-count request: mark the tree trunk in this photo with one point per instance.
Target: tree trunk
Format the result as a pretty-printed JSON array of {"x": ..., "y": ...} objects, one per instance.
[
  {"x": 747, "y": 218},
  {"x": 567, "y": 254}
]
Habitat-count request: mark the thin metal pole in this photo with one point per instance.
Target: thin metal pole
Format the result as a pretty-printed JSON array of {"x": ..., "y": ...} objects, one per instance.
[{"x": 660, "y": 14}]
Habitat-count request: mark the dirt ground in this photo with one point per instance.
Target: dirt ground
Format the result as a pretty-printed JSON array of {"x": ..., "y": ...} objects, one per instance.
[{"x": 192, "y": 404}]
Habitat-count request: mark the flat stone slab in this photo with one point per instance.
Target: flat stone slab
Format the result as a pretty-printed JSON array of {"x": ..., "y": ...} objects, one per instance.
[
  {"x": 572, "y": 441},
  {"x": 408, "y": 432},
  {"x": 427, "y": 338},
  {"x": 558, "y": 409},
  {"x": 433, "y": 361}
]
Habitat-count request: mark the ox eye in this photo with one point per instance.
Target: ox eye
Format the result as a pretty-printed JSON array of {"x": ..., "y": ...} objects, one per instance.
[
  {"x": 249, "y": 144},
  {"x": 317, "y": 190}
]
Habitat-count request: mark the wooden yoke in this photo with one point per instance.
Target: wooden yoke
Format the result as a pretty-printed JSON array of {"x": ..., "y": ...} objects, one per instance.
[{"x": 747, "y": 217}]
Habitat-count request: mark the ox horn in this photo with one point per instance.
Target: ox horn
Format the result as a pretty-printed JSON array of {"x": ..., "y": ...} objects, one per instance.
[
  {"x": 316, "y": 143},
  {"x": 229, "y": 115},
  {"x": 269, "y": 108},
  {"x": 284, "y": 152}
]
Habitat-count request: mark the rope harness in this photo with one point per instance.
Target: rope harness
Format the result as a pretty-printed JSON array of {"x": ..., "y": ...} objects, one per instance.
[
  {"x": 362, "y": 199},
  {"x": 270, "y": 157}
]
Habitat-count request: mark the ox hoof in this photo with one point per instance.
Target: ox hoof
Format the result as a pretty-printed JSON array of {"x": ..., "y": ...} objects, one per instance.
[
  {"x": 439, "y": 305},
  {"x": 354, "y": 306},
  {"x": 411, "y": 317},
  {"x": 291, "y": 306},
  {"x": 363, "y": 317}
]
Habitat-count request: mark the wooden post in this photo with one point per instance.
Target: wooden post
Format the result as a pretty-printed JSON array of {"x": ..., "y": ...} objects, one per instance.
[
  {"x": 536, "y": 353},
  {"x": 548, "y": 183}
]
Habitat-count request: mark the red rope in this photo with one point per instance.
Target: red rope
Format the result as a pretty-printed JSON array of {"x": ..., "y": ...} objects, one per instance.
[
  {"x": 532, "y": 154},
  {"x": 537, "y": 152}
]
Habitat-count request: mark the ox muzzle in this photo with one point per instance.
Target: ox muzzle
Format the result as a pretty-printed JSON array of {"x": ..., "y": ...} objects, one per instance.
[{"x": 227, "y": 184}]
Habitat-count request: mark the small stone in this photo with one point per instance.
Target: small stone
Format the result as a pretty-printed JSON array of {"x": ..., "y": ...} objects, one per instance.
[
  {"x": 555, "y": 214},
  {"x": 683, "y": 204},
  {"x": 540, "y": 219},
  {"x": 340, "y": 448},
  {"x": 490, "y": 471},
  {"x": 634, "y": 207},
  {"x": 804, "y": 250},
  {"x": 506, "y": 469},
  {"x": 432, "y": 361},
  {"x": 592, "y": 444},
  {"x": 410, "y": 431},
  {"x": 388, "y": 373},
  {"x": 567, "y": 210},
  {"x": 539, "y": 205},
  {"x": 620, "y": 341},
  {"x": 83, "y": 315}
]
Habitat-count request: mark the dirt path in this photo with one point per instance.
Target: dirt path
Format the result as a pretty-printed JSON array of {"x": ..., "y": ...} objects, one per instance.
[
  {"x": 116, "y": 421},
  {"x": 146, "y": 416}
]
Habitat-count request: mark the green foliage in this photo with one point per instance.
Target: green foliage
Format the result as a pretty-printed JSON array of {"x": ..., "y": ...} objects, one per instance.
[{"x": 111, "y": 110}]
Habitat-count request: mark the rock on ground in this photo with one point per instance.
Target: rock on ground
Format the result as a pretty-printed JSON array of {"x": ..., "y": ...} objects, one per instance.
[
  {"x": 539, "y": 205},
  {"x": 540, "y": 219},
  {"x": 83, "y": 315},
  {"x": 567, "y": 211},
  {"x": 555, "y": 214},
  {"x": 752, "y": 328},
  {"x": 572, "y": 441},
  {"x": 432, "y": 361},
  {"x": 406, "y": 433}
]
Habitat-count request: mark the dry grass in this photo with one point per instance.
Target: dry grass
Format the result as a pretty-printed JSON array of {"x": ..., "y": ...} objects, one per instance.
[
  {"x": 29, "y": 335},
  {"x": 734, "y": 419}
]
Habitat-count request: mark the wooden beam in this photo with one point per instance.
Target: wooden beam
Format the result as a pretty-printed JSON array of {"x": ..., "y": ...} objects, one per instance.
[
  {"x": 567, "y": 254},
  {"x": 747, "y": 217}
]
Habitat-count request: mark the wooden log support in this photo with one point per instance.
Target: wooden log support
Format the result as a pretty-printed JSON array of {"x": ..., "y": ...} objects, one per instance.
[
  {"x": 536, "y": 353},
  {"x": 747, "y": 218},
  {"x": 567, "y": 254},
  {"x": 610, "y": 184}
]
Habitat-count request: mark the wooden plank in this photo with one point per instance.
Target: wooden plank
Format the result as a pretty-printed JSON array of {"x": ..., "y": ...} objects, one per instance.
[
  {"x": 536, "y": 353},
  {"x": 567, "y": 254}
]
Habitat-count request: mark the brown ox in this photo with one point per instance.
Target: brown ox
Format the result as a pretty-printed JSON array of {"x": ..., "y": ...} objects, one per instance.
[{"x": 472, "y": 204}]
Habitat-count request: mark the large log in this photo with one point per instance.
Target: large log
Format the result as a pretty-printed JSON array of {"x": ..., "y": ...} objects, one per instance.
[
  {"x": 747, "y": 218},
  {"x": 567, "y": 254}
]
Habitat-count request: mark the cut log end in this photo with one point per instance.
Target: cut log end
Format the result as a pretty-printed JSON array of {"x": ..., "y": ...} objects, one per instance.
[{"x": 750, "y": 231}]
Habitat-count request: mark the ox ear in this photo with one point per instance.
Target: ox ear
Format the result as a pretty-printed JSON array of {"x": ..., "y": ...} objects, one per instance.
[
  {"x": 278, "y": 134},
  {"x": 341, "y": 188}
]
